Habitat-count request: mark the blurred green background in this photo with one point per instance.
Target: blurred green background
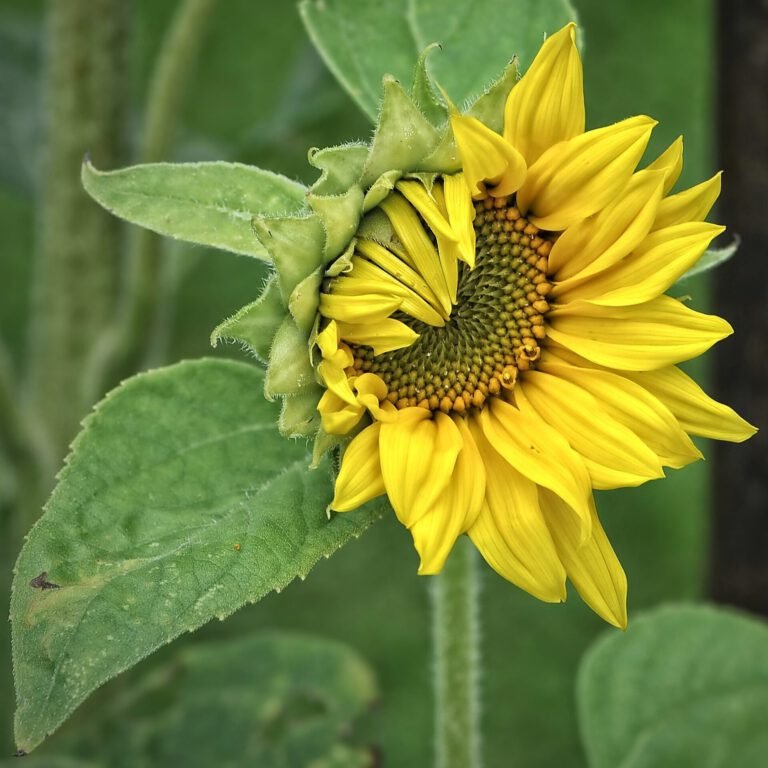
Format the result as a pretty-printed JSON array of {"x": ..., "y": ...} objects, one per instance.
[{"x": 261, "y": 95}]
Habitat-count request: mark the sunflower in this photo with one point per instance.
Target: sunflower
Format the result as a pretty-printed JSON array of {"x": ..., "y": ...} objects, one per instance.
[{"x": 498, "y": 343}]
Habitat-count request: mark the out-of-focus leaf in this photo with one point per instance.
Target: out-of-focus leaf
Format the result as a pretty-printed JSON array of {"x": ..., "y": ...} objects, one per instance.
[
  {"x": 714, "y": 257},
  {"x": 271, "y": 700},
  {"x": 48, "y": 761},
  {"x": 363, "y": 41},
  {"x": 179, "y": 502},
  {"x": 205, "y": 203},
  {"x": 685, "y": 686}
]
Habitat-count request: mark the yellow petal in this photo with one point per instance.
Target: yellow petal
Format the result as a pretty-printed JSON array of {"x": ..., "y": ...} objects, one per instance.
[
  {"x": 547, "y": 105},
  {"x": 689, "y": 205},
  {"x": 416, "y": 194},
  {"x": 371, "y": 393},
  {"x": 403, "y": 273},
  {"x": 418, "y": 455},
  {"x": 637, "y": 338},
  {"x": 461, "y": 214},
  {"x": 336, "y": 415},
  {"x": 328, "y": 340},
  {"x": 336, "y": 380},
  {"x": 360, "y": 477},
  {"x": 645, "y": 274},
  {"x": 578, "y": 177},
  {"x": 614, "y": 456},
  {"x": 367, "y": 278},
  {"x": 367, "y": 308},
  {"x": 455, "y": 510},
  {"x": 598, "y": 242},
  {"x": 384, "y": 336},
  {"x": 592, "y": 565},
  {"x": 492, "y": 166},
  {"x": 633, "y": 406},
  {"x": 537, "y": 451},
  {"x": 510, "y": 531},
  {"x": 696, "y": 411},
  {"x": 408, "y": 227},
  {"x": 671, "y": 162}
]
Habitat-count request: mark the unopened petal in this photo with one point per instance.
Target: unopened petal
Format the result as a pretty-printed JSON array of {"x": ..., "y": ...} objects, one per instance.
[
  {"x": 492, "y": 166},
  {"x": 547, "y": 105}
]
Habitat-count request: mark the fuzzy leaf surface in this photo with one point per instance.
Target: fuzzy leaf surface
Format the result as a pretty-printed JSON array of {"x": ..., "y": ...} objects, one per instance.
[
  {"x": 204, "y": 203},
  {"x": 361, "y": 42},
  {"x": 179, "y": 503},
  {"x": 685, "y": 686}
]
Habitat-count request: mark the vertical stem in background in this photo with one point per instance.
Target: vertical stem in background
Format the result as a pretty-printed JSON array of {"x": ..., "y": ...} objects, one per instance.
[
  {"x": 455, "y": 596},
  {"x": 123, "y": 349},
  {"x": 740, "y": 536},
  {"x": 77, "y": 259}
]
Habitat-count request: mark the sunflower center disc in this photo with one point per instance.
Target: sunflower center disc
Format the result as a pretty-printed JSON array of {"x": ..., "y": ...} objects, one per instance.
[{"x": 494, "y": 329}]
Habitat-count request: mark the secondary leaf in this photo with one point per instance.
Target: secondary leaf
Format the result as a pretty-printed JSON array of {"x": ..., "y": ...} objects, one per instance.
[
  {"x": 685, "y": 686},
  {"x": 204, "y": 203},
  {"x": 175, "y": 506},
  {"x": 272, "y": 700},
  {"x": 361, "y": 42}
]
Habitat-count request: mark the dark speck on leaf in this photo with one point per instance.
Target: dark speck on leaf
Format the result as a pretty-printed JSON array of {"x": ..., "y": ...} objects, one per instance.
[
  {"x": 41, "y": 582},
  {"x": 19, "y": 753}
]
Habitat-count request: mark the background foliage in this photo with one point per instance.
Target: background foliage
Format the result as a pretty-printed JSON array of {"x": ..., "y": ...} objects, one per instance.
[{"x": 261, "y": 95}]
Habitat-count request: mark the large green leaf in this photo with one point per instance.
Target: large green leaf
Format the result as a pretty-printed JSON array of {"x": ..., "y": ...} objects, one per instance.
[
  {"x": 362, "y": 41},
  {"x": 684, "y": 687},
  {"x": 179, "y": 502},
  {"x": 205, "y": 203}
]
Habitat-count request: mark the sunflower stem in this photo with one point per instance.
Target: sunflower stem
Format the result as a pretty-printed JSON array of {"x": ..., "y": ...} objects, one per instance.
[{"x": 457, "y": 659}]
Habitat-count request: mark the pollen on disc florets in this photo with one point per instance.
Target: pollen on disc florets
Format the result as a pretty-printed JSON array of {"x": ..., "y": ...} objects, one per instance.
[{"x": 494, "y": 330}]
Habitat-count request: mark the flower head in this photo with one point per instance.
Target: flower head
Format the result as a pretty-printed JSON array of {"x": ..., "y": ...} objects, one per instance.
[{"x": 487, "y": 324}]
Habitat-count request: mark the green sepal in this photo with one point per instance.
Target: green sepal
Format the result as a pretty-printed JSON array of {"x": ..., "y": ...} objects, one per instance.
[
  {"x": 340, "y": 215},
  {"x": 305, "y": 300},
  {"x": 403, "y": 137},
  {"x": 256, "y": 324},
  {"x": 380, "y": 189},
  {"x": 423, "y": 91},
  {"x": 376, "y": 226},
  {"x": 299, "y": 416},
  {"x": 290, "y": 370},
  {"x": 489, "y": 107},
  {"x": 341, "y": 167},
  {"x": 445, "y": 158},
  {"x": 323, "y": 444},
  {"x": 343, "y": 262},
  {"x": 296, "y": 245}
]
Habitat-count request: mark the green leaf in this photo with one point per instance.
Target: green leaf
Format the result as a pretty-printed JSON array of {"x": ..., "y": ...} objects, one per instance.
[
  {"x": 714, "y": 257},
  {"x": 361, "y": 42},
  {"x": 179, "y": 502},
  {"x": 270, "y": 699},
  {"x": 685, "y": 686},
  {"x": 278, "y": 699},
  {"x": 255, "y": 324},
  {"x": 205, "y": 203}
]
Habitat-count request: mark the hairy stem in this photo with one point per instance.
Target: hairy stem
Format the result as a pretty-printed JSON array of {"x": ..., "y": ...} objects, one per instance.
[
  {"x": 457, "y": 653},
  {"x": 122, "y": 351},
  {"x": 77, "y": 259}
]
